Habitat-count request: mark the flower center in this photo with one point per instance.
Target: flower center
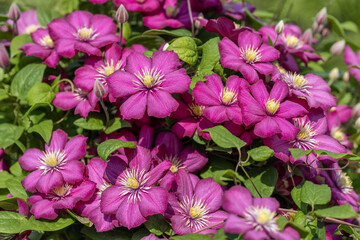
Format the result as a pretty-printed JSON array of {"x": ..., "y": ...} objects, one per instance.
[
  {"x": 149, "y": 79},
  {"x": 80, "y": 94},
  {"x": 272, "y": 106},
  {"x": 131, "y": 182},
  {"x": 196, "y": 211},
  {"x": 250, "y": 54},
  {"x": 299, "y": 81},
  {"x": 306, "y": 132},
  {"x": 261, "y": 218},
  {"x": 264, "y": 216},
  {"x": 228, "y": 96},
  {"x": 47, "y": 42},
  {"x": 291, "y": 41},
  {"x": 343, "y": 182},
  {"x": 296, "y": 81},
  {"x": 52, "y": 158},
  {"x": 60, "y": 192},
  {"x": 338, "y": 134},
  {"x": 305, "y": 137},
  {"x": 31, "y": 28},
  {"x": 196, "y": 110},
  {"x": 174, "y": 169},
  {"x": 85, "y": 34}
]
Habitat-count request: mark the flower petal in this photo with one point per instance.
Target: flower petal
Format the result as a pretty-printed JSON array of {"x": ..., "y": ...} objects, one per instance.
[
  {"x": 153, "y": 201},
  {"x": 160, "y": 104},
  {"x": 237, "y": 199},
  {"x": 73, "y": 171},
  {"x": 267, "y": 128},
  {"x": 48, "y": 181},
  {"x": 129, "y": 214},
  {"x": 134, "y": 107},
  {"x": 31, "y": 159},
  {"x": 166, "y": 61}
]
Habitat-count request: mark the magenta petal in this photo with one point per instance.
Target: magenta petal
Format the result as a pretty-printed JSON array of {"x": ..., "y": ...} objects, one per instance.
[
  {"x": 49, "y": 181},
  {"x": 129, "y": 214},
  {"x": 114, "y": 168},
  {"x": 253, "y": 111},
  {"x": 247, "y": 38},
  {"x": 87, "y": 48},
  {"x": 290, "y": 109},
  {"x": 29, "y": 182},
  {"x": 237, "y": 199},
  {"x": 52, "y": 59},
  {"x": 85, "y": 78},
  {"x": 44, "y": 209},
  {"x": 65, "y": 47},
  {"x": 216, "y": 218},
  {"x": 204, "y": 95},
  {"x": 122, "y": 84},
  {"x": 214, "y": 83},
  {"x": 176, "y": 82},
  {"x": 288, "y": 131},
  {"x": 76, "y": 148},
  {"x": 31, "y": 159},
  {"x": 139, "y": 157},
  {"x": 135, "y": 62},
  {"x": 160, "y": 104},
  {"x": 266, "y": 128},
  {"x": 193, "y": 160},
  {"x": 255, "y": 235},
  {"x": 83, "y": 192},
  {"x": 268, "y": 202},
  {"x": 268, "y": 53},
  {"x": 216, "y": 114},
  {"x": 234, "y": 114},
  {"x": 157, "y": 172},
  {"x": 101, "y": 221},
  {"x": 73, "y": 171},
  {"x": 96, "y": 169},
  {"x": 260, "y": 93},
  {"x": 213, "y": 198},
  {"x": 65, "y": 100},
  {"x": 102, "y": 41},
  {"x": 153, "y": 201},
  {"x": 178, "y": 222},
  {"x": 134, "y": 107},
  {"x": 60, "y": 29},
  {"x": 103, "y": 24},
  {"x": 279, "y": 91},
  {"x": 248, "y": 72},
  {"x": 79, "y": 19},
  {"x": 58, "y": 140},
  {"x": 236, "y": 225},
  {"x": 230, "y": 54},
  {"x": 111, "y": 199},
  {"x": 185, "y": 128},
  {"x": 166, "y": 61},
  {"x": 264, "y": 68}
]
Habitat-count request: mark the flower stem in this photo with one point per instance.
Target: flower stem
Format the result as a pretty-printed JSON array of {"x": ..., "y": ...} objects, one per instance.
[
  {"x": 121, "y": 34},
  {"x": 106, "y": 112},
  {"x": 208, "y": 227},
  {"x": 191, "y": 17}
]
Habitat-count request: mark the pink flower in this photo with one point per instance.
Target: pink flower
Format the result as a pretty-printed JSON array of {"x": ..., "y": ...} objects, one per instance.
[
  {"x": 43, "y": 47},
  {"x": 55, "y": 166},
  {"x": 351, "y": 58},
  {"x": 148, "y": 84},
  {"x": 27, "y": 22},
  {"x": 82, "y": 31},
  {"x": 144, "y": 6},
  {"x": 249, "y": 56}
]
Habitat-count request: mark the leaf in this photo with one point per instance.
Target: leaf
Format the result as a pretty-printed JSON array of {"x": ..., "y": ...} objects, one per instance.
[
  {"x": 186, "y": 49},
  {"x": 263, "y": 179},
  {"x": 173, "y": 33},
  {"x": 157, "y": 225},
  {"x": 350, "y": 26},
  {"x": 25, "y": 79},
  {"x": 340, "y": 212},
  {"x": 11, "y": 222},
  {"x": 210, "y": 55},
  {"x": 45, "y": 13},
  {"x": 44, "y": 128},
  {"x": 254, "y": 22},
  {"x": 297, "y": 152},
  {"x": 16, "y": 188},
  {"x": 350, "y": 156},
  {"x": 92, "y": 122},
  {"x": 84, "y": 220},
  {"x": 224, "y": 138},
  {"x": 9, "y": 203},
  {"x": 335, "y": 25},
  {"x": 36, "y": 106},
  {"x": 261, "y": 153},
  {"x": 116, "y": 124},
  {"x": 347, "y": 229},
  {"x": 18, "y": 42},
  {"x": 196, "y": 79},
  {"x": 40, "y": 93},
  {"x": 149, "y": 41},
  {"x": 49, "y": 225},
  {"x": 192, "y": 236},
  {"x": 315, "y": 194},
  {"x": 16, "y": 169},
  {"x": 296, "y": 196},
  {"x": 116, "y": 234},
  {"x": 9, "y": 134},
  {"x": 4, "y": 175},
  {"x": 104, "y": 149},
  {"x": 220, "y": 235}
]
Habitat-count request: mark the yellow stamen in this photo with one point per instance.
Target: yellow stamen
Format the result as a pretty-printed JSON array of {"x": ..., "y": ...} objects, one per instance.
[
  {"x": 148, "y": 80},
  {"x": 31, "y": 28},
  {"x": 250, "y": 54},
  {"x": 85, "y": 33},
  {"x": 132, "y": 183},
  {"x": 272, "y": 106},
  {"x": 228, "y": 96},
  {"x": 299, "y": 81},
  {"x": 109, "y": 69},
  {"x": 60, "y": 191},
  {"x": 291, "y": 41},
  {"x": 338, "y": 134},
  {"x": 47, "y": 42},
  {"x": 264, "y": 215},
  {"x": 195, "y": 211},
  {"x": 174, "y": 169},
  {"x": 196, "y": 109}
]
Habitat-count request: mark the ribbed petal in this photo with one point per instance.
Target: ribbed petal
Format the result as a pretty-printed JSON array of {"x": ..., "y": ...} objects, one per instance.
[
  {"x": 121, "y": 84},
  {"x": 153, "y": 202},
  {"x": 76, "y": 148},
  {"x": 160, "y": 104},
  {"x": 111, "y": 200},
  {"x": 73, "y": 171},
  {"x": 96, "y": 169},
  {"x": 290, "y": 109},
  {"x": 65, "y": 100},
  {"x": 136, "y": 62},
  {"x": 192, "y": 159},
  {"x": 204, "y": 96},
  {"x": 256, "y": 235},
  {"x": 114, "y": 168},
  {"x": 87, "y": 48},
  {"x": 85, "y": 78},
  {"x": 103, "y": 24},
  {"x": 216, "y": 114},
  {"x": 44, "y": 209},
  {"x": 185, "y": 128},
  {"x": 279, "y": 91},
  {"x": 65, "y": 47},
  {"x": 270, "y": 203},
  {"x": 267, "y": 128},
  {"x": 178, "y": 223},
  {"x": 134, "y": 107},
  {"x": 236, "y": 225},
  {"x": 166, "y": 61},
  {"x": 248, "y": 72},
  {"x": 260, "y": 93},
  {"x": 60, "y": 28},
  {"x": 29, "y": 182},
  {"x": 48, "y": 181},
  {"x": 129, "y": 214},
  {"x": 79, "y": 19},
  {"x": 249, "y": 39},
  {"x": 268, "y": 53},
  {"x": 210, "y": 192},
  {"x": 139, "y": 157},
  {"x": 237, "y": 199},
  {"x": 230, "y": 54},
  {"x": 31, "y": 159},
  {"x": 253, "y": 111},
  {"x": 288, "y": 131},
  {"x": 176, "y": 82},
  {"x": 58, "y": 140}
]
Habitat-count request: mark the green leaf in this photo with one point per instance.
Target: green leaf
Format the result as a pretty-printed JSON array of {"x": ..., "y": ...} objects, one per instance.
[
  {"x": 16, "y": 169},
  {"x": 196, "y": 79},
  {"x": 116, "y": 234},
  {"x": 116, "y": 124},
  {"x": 11, "y": 222},
  {"x": 186, "y": 49},
  {"x": 173, "y": 33},
  {"x": 149, "y": 41},
  {"x": 36, "y": 106},
  {"x": 297, "y": 152},
  {"x": 25, "y": 79},
  {"x": 4, "y": 176},
  {"x": 192, "y": 236},
  {"x": 49, "y": 225},
  {"x": 45, "y": 13},
  {"x": 350, "y": 26},
  {"x": 261, "y": 153},
  {"x": 335, "y": 25},
  {"x": 340, "y": 212},
  {"x": 92, "y": 122},
  {"x": 296, "y": 196},
  {"x": 210, "y": 55},
  {"x": 264, "y": 179},
  {"x": 281, "y": 222},
  {"x": 224, "y": 138},
  {"x": 254, "y": 22},
  {"x": 220, "y": 235},
  {"x": 9, "y": 203},
  {"x": 44, "y": 128},
  {"x": 16, "y": 188},
  {"x": 347, "y": 229},
  {"x": 84, "y": 220},
  {"x": 320, "y": 231},
  {"x": 157, "y": 225},
  {"x": 9, "y": 134},
  {"x": 350, "y": 156},
  {"x": 18, "y": 42},
  {"x": 104, "y": 149},
  {"x": 40, "y": 93},
  {"x": 315, "y": 194},
  {"x": 139, "y": 234}
]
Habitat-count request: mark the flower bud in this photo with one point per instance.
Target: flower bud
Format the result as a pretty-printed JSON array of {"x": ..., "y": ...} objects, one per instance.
[
  {"x": 321, "y": 16},
  {"x": 315, "y": 27},
  {"x": 279, "y": 28},
  {"x": 307, "y": 36},
  {"x": 122, "y": 15},
  {"x": 357, "y": 123},
  {"x": 99, "y": 89},
  {"x": 166, "y": 45},
  {"x": 337, "y": 47},
  {"x": 346, "y": 77},
  {"x": 14, "y": 12},
  {"x": 4, "y": 57},
  {"x": 334, "y": 74},
  {"x": 356, "y": 110},
  {"x": 325, "y": 32}
]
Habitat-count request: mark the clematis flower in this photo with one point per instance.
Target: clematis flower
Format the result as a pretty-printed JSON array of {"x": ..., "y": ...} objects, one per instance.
[
  {"x": 82, "y": 31},
  {"x": 55, "y": 166},
  {"x": 352, "y": 59},
  {"x": 270, "y": 112},
  {"x": 43, "y": 47},
  {"x": 191, "y": 118},
  {"x": 244, "y": 133},
  {"x": 91, "y": 208},
  {"x": 97, "y": 68},
  {"x": 335, "y": 117},
  {"x": 255, "y": 218},
  {"x": 169, "y": 147},
  {"x": 311, "y": 87},
  {"x": 27, "y": 22},
  {"x": 197, "y": 206},
  {"x": 221, "y": 102},
  {"x": 64, "y": 196},
  {"x": 133, "y": 197},
  {"x": 236, "y": 9},
  {"x": 144, "y": 6},
  {"x": 225, "y": 28},
  {"x": 148, "y": 84}
]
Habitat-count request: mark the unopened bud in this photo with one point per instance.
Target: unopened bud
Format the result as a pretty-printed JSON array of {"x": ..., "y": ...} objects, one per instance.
[
  {"x": 321, "y": 16},
  {"x": 315, "y": 27},
  {"x": 14, "y": 12},
  {"x": 99, "y": 89},
  {"x": 334, "y": 74},
  {"x": 166, "y": 45},
  {"x": 357, "y": 123},
  {"x": 4, "y": 57},
  {"x": 356, "y": 110},
  {"x": 346, "y": 77},
  {"x": 279, "y": 28},
  {"x": 122, "y": 15},
  {"x": 325, "y": 32},
  {"x": 307, "y": 36},
  {"x": 337, "y": 47}
]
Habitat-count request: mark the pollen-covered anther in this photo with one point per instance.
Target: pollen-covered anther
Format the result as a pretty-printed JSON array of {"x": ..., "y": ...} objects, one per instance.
[
  {"x": 196, "y": 110},
  {"x": 47, "y": 42},
  {"x": 228, "y": 96},
  {"x": 343, "y": 181},
  {"x": 338, "y": 134},
  {"x": 132, "y": 183},
  {"x": 148, "y": 80},
  {"x": 52, "y": 158},
  {"x": 174, "y": 169},
  {"x": 262, "y": 218},
  {"x": 272, "y": 106},
  {"x": 299, "y": 81},
  {"x": 250, "y": 54},
  {"x": 291, "y": 41},
  {"x": 86, "y": 33},
  {"x": 60, "y": 192}
]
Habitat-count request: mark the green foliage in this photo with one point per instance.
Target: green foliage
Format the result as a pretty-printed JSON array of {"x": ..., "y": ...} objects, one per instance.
[
  {"x": 40, "y": 93},
  {"x": 210, "y": 55},
  {"x": 157, "y": 225},
  {"x": 224, "y": 138},
  {"x": 92, "y": 122},
  {"x": 116, "y": 124},
  {"x": 173, "y": 33},
  {"x": 44, "y": 128},
  {"x": 315, "y": 194},
  {"x": 186, "y": 49},
  {"x": 264, "y": 180},
  {"x": 261, "y": 153},
  {"x": 106, "y": 148},
  {"x": 9, "y": 134},
  {"x": 340, "y": 212},
  {"x": 18, "y": 42}
]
